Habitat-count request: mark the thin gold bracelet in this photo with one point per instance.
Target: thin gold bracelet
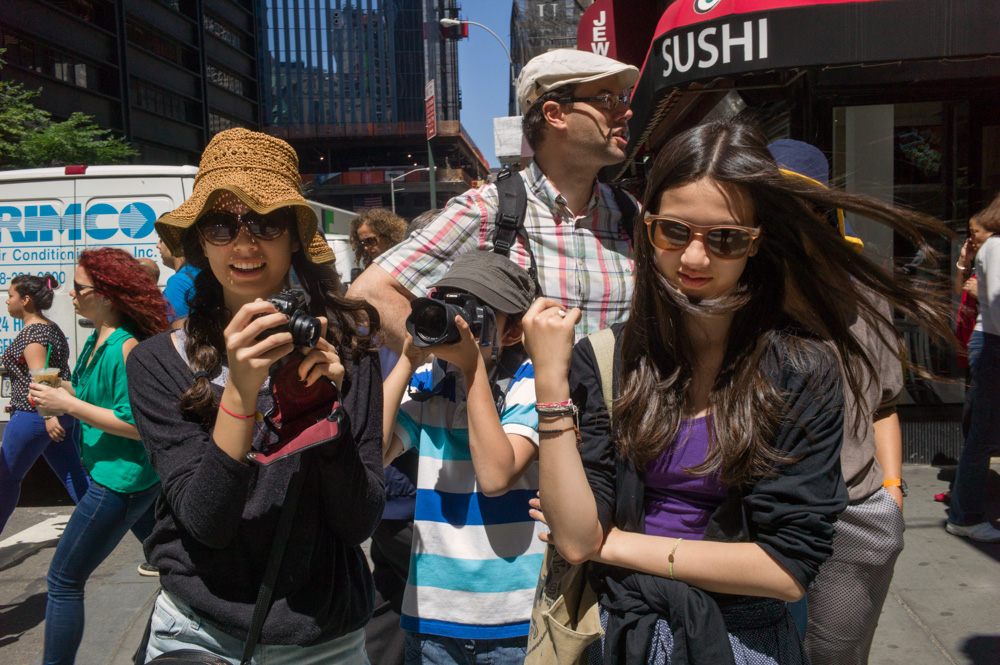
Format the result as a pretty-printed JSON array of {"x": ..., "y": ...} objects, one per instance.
[{"x": 671, "y": 557}]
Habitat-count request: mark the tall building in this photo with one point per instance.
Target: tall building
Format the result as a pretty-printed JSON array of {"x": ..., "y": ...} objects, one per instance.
[
  {"x": 165, "y": 74},
  {"x": 344, "y": 82},
  {"x": 537, "y": 26}
]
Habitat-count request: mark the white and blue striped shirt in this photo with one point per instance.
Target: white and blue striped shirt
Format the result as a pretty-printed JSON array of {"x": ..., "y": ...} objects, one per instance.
[{"x": 475, "y": 560}]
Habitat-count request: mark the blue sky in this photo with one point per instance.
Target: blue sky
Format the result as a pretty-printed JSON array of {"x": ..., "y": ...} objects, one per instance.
[{"x": 483, "y": 71}]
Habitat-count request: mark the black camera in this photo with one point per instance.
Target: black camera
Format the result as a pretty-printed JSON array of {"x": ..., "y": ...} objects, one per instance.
[
  {"x": 304, "y": 327},
  {"x": 432, "y": 320}
]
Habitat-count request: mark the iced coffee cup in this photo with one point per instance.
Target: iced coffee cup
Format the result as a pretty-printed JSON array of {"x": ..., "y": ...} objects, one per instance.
[{"x": 49, "y": 377}]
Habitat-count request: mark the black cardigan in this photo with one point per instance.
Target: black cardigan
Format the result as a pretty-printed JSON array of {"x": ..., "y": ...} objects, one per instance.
[
  {"x": 217, "y": 517},
  {"x": 790, "y": 514}
]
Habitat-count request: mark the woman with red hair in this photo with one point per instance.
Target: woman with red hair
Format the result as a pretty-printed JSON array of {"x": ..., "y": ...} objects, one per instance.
[{"x": 112, "y": 290}]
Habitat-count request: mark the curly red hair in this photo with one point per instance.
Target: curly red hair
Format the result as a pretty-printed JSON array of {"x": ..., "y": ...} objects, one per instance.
[{"x": 117, "y": 276}]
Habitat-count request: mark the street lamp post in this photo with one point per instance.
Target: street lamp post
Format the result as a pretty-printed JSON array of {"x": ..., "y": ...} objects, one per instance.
[
  {"x": 392, "y": 184},
  {"x": 451, "y": 23}
]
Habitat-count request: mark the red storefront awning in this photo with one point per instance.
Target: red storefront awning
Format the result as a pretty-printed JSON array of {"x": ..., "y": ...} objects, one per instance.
[{"x": 698, "y": 41}]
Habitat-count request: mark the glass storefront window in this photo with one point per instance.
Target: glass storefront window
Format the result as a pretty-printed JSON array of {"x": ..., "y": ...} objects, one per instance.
[{"x": 915, "y": 155}]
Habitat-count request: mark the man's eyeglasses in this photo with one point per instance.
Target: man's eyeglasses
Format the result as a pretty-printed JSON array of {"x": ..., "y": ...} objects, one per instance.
[
  {"x": 369, "y": 242},
  {"x": 726, "y": 241},
  {"x": 609, "y": 101},
  {"x": 221, "y": 228}
]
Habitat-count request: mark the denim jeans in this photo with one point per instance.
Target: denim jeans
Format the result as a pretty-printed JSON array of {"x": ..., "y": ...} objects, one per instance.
[
  {"x": 24, "y": 439},
  {"x": 174, "y": 625},
  {"x": 975, "y": 348},
  {"x": 424, "y": 649},
  {"x": 101, "y": 519},
  {"x": 968, "y": 498}
]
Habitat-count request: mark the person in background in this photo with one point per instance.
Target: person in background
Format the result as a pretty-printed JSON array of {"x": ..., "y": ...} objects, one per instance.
[
  {"x": 373, "y": 232},
  {"x": 149, "y": 265},
  {"x": 180, "y": 285},
  {"x": 574, "y": 236},
  {"x": 39, "y": 344},
  {"x": 869, "y": 533},
  {"x": 112, "y": 290},
  {"x": 470, "y": 414},
  {"x": 708, "y": 496},
  {"x": 966, "y": 512},
  {"x": 970, "y": 329}
]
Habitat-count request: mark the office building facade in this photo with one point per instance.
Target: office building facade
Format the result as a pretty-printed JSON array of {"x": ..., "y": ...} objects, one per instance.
[
  {"x": 345, "y": 82},
  {"x": 164, "y": 74}
]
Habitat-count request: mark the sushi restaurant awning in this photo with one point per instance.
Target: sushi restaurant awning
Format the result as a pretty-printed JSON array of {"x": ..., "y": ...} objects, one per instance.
[{"x": 699, "y": 43}]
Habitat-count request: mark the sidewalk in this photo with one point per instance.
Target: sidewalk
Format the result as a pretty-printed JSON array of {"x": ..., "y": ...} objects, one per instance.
[
  {"x": 943, "y": 607},
  {"x": 944, "y": 602}
]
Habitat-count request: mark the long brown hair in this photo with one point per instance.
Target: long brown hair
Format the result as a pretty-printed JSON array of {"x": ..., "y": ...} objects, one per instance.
[
  {"x": 797, "y": 296},
  {"x": 351, "y": 329}
]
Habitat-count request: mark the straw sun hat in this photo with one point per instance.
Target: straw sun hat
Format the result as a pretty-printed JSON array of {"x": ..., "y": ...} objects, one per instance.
[{"x": 260, "y": 170}]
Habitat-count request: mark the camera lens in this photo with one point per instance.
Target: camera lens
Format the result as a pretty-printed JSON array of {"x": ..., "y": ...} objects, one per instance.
[
  {"x": 431, "y": 322},
  {"x": 304, "y": 328}
]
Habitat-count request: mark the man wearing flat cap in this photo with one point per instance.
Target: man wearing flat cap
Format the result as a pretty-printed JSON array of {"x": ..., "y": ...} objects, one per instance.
[{"x": 575, "y": 109}]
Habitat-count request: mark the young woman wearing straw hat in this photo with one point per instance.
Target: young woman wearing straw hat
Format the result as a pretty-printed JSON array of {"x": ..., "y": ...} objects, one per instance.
[
  {"x": 111, "y": 289},
  {"x": 202, "y": 399}
]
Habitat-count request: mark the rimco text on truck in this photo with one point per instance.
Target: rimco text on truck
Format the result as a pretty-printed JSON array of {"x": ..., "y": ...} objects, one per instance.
[{"x": 49, "y": 216}]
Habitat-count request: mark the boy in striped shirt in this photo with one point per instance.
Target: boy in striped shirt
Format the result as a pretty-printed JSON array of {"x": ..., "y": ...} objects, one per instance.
[{"x": 470, "y": 412}]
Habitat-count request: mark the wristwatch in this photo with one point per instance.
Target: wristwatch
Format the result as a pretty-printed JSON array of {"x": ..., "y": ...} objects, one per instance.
[{"x": 896, "y": 482}]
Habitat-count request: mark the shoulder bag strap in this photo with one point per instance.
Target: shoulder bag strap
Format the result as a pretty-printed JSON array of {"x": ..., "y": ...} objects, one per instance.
[
  {"x": 513, "y": 204},
  {"x": 263, "y": 605},
  {"x": 603, "y": 342},
  {"x": 512, "y": 209},
  {"x": 628, "y": 209}
]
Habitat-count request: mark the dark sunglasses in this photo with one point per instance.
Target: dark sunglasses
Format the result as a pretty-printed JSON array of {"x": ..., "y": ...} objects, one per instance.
[
  {"x": 609, "y": 101},
  {"x": 221, "y": 228},
  {"x": 370, "y": 241},
  {"x": 78, "y": 287},
  {"x": 726, "y": 241}
]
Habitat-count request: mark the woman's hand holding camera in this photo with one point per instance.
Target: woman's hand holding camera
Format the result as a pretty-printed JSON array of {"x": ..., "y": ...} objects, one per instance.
[
  {"x": 250, "y": 358},
  {"x": 321, "y": 361}
]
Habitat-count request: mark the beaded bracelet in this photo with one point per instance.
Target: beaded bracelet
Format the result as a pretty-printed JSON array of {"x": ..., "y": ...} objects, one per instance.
[{"x": 566, "y": 408}]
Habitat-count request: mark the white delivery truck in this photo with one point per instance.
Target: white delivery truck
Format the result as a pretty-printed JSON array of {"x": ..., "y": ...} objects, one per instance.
[{"x": 48, "y": 216}]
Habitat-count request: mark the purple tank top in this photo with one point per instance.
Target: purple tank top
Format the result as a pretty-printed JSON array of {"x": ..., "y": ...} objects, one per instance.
[{"x": 677, "y": 503}]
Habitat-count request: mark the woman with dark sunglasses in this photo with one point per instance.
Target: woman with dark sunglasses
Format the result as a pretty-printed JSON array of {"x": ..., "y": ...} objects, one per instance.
[
  {"x": 373, "y": 232},
  {"x": 114, "y": 292},
  {"x": 205, "y": 407},
  {"x": 709, "y": 496}
]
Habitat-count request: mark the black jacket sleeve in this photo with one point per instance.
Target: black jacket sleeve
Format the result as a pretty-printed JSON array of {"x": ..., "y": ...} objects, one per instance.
[
  {"x": 352, "y": 471},
  {"x": 791, "y": 513},
  {"x": 205, "y": 488}
]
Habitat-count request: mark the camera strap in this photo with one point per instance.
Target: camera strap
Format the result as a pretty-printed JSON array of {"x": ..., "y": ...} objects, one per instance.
[{"x": 509, "y": 362}]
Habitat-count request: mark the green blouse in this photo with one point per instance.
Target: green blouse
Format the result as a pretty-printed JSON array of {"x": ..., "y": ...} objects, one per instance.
[{"x": 118, "y": 463}]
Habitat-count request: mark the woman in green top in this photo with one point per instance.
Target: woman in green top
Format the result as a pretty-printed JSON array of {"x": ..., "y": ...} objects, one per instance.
[{"x": 112, "y": 290}]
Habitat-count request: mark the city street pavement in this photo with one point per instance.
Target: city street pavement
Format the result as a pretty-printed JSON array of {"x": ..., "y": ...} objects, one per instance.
[{"x": 943, "y": 607}]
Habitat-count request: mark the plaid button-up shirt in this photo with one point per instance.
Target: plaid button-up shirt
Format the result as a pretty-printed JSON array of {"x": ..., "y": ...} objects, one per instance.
[{"x": 583, "y": 260}]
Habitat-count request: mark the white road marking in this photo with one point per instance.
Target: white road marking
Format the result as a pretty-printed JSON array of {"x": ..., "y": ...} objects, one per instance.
[{"x": 23, "y": 543}]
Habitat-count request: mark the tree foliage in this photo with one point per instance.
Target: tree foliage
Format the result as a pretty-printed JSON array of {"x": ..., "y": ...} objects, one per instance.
[{"x": 30, "y": 139}]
